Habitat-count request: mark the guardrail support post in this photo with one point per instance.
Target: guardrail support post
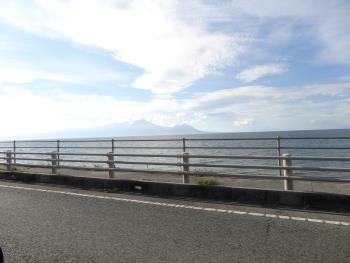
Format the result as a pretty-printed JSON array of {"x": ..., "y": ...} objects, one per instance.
[
  {"x": 110, "y": 157},
  {"x": 185, "y": 168},
  {"x": 14, "y": 151},
  {"x": 54, "y": 162},
  {"x": 58, "y": 151},
  {"x": 8, "y": 161},
  {"x": 286, "y": 162},
  {"x": 279, "y": 154}
]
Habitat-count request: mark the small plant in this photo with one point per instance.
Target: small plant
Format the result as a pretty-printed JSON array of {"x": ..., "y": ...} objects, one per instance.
[
  {"x": 19, "y": 168},
  {"x": 206, "y": 180},
  {"x": 16, "y": 168}
]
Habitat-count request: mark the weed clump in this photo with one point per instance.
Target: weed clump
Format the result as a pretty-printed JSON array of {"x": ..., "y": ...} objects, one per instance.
[{"x": 207, "y": 180}]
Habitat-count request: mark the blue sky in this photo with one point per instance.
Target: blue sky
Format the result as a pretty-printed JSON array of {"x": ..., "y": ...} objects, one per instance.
[{"x": 221, "y": 66}]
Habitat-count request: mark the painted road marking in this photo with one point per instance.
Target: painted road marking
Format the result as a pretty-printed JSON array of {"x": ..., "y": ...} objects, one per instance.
[{"x": 209, "y": 209}]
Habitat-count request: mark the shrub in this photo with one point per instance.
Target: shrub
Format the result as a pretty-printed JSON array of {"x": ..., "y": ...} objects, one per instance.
[{"x": 206, "y": 180}]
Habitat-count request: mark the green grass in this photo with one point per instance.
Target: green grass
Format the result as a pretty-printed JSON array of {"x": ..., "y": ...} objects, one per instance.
[{"x": 206, "y": 180}]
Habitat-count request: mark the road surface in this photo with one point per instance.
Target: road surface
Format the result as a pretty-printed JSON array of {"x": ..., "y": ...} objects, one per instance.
[{"x": 54, "y": 224}]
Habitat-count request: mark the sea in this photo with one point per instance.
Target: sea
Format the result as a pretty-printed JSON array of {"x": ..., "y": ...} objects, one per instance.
[{"x": 176, "y": 147}]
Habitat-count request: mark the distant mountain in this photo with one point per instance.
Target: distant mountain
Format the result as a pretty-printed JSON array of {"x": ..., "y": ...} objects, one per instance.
[{"x": 137, "y": 128}]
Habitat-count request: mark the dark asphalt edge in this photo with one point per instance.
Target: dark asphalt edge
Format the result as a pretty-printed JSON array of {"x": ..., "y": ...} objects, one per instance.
[{"x": 263, "y": 197}]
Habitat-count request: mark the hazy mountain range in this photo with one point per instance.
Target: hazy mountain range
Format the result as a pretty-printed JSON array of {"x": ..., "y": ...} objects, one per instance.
[{"x": 137, "y": 128}]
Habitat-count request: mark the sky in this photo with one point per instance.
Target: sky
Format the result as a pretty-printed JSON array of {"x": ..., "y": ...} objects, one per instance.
[{"x": 219, "y": 66}]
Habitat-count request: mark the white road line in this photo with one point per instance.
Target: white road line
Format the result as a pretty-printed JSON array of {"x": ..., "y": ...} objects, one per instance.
[
  {"x": 315, "y": 220},
  {"x": 312, "y": 220},
  {"x": 332, "y": 222},
  {"x": 270, "y": 215},
  {"x": 298, "y": 218},
  {"x": 255, "y": 214}
]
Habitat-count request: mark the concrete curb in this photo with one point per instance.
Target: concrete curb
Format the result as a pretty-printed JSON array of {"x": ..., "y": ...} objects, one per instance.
[{"x": 271, "y": 198}]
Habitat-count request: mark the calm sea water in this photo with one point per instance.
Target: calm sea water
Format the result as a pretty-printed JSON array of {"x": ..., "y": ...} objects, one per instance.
[{"x": 189, "y": 143}]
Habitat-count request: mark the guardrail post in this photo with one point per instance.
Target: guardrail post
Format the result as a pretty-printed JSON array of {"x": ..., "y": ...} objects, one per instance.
[
  {"x": 14, "y": 151},
  {"x": 279, "y": 153},
  {"x": 185, "y": 168},
  {"x": 8, "y": 161},
  {"x": 110, "y": 162},
  {"x": 286, "y": 162},
  {"x": 183, "y": 144},
  {"x": 54, "y": 162},
  {"x": 112, "y": 145},
  {"x": 58, "y": 151}
]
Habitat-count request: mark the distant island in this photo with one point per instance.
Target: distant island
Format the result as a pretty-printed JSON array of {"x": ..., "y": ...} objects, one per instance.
[{"x": 137, "y": 128}]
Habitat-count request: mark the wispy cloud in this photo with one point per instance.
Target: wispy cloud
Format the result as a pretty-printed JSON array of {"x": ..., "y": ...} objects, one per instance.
[
  {"x": 328, "y": 23},
  {"x": 152, "y": 35},
  {"x": 260, "y": 71},
  {"x": 25, "y": 75},
  {"x": 22, "y": 76}
]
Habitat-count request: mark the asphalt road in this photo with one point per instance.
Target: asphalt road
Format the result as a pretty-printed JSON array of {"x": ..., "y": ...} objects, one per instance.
[{"x": 51, "y": 224}]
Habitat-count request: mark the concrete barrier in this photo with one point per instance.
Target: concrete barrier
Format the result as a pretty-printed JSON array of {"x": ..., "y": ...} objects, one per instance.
[{"x": 261, "y": 197}]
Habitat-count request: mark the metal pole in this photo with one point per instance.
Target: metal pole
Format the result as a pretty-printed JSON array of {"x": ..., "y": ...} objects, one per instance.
[
  {"x": 54, "y": 162},
  {"x": 8, "y": 161},
  {"x": 110, "y": 157},
  {"x": 287, "y": 162},
  {"x": 183, "y": 145},
  {"x": 14, "y": 151},
  {"x": 279, "y": 153},
  {"x": 58, "y": 151},
  {"x": 112, "y": 145},
  {"x": 185, "y": 168}
]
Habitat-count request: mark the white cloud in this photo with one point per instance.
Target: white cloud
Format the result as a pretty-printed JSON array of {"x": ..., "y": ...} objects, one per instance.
[
  {"x": 173, "y": 51},
  {"x": 35, "y": 113},
  {"x": 237, "y": 109},
  {"x": 328, "y": 23},
  {"x": 242, "y": 122},
  {"x": 22, "y": 76},
  {"x": 15, "y": 74},
  {"x": 260, "y": 71},
  {"x": 273, "y": 108}
]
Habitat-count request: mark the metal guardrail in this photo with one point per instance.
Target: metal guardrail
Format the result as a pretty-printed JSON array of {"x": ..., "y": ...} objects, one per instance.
[{"x": 56, "y": 159}]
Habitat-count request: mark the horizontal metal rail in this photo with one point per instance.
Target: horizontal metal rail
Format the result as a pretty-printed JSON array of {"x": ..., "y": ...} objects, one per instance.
[
  {"x": 249, "y": 157},
  {"x": 270, "y": 167},
  {"x": 60, "y": 153},
  {"x": 62, "y": 147},
  {"x": 150, "y": 163},
  {"x": 149, "y": 155},
  {"x": 61, "y": 160},
  {"x": 195, "y": 147},
  {"x": 241, "y": 176},
  {"x": 241, "y": 166},
  {"x": 33, "y": 159},
  {"x": 61, "y": 167},
  {"x": 255, "y": 157},
  {"x": 180, "y": 139},
  {"x": 314, "y": 148},
  {"x": 187, "y": 147}
]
